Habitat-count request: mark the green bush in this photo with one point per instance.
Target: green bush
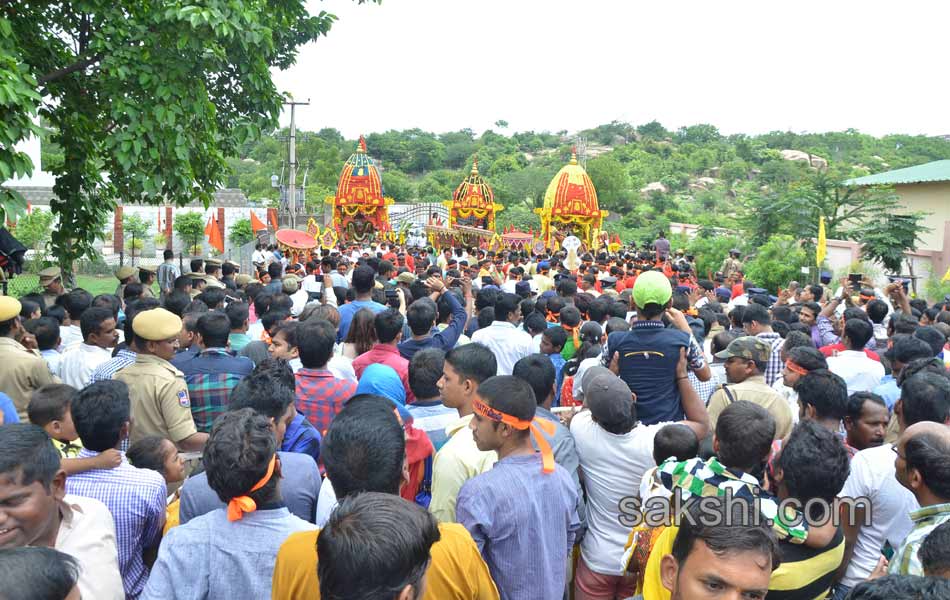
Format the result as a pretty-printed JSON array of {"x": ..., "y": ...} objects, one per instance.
[
  {"x": 711, "y": 247},
  {"x": 777, "y": 262},
  {"x": 190, "y": 227},
  {"x": 241, "y": 232}
]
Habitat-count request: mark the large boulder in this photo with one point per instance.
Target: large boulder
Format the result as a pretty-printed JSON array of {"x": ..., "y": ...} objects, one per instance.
[
  {"x": 655, "y": 186},
  {"x": 799, "y": 156}
]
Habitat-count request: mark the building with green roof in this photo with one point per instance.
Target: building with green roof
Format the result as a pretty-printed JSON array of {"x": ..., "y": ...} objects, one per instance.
[{"x": 924, "y": 188}]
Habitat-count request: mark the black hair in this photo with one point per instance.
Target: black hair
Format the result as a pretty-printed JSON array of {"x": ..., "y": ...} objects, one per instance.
[
  {"x": 566, "y": 288},
  {"x": 510, "y": 395},
  {"x": 814, "y": 464},
  {"x": 238, "y": 313},
  {"x": 877, "y": 310},
  {"x": 858, "y": 332},
  {"x": 824, "y": 390},
  {"x": 289, "y": 329},
  {"x": 388, "y": 325},
  {"x": 364, "y": 279},
  {"x": 364, "y": 448},
  {"x": 555, "y": 304},
  {"x": 237, "y": 455},
  {"x": 618, "y": 310},
  {"x": 176, "y": 302},
  {"x": 27, "y": 308},
  {"x": 534, "y": 323},
  {"x": 725, "y": 528},
  {"x": 902, "y": 586},
  {"x": 570, "y": 316},
  {"x": 903, "y": 323},
  {"x": 214, "y": 328},
  {"x": 757, "y": 313},
  {"x": 25, "y": 448},
  {"x": 745, "y": 432},
  {"x": 856, "y": 403},
  {"x": 538, "y": 371},
  {"x": 556, "y": 335},
  {"x": 934, "y": 552},
  {"x": 37, "y": 573},
  {"x": 275, "y": 270},
  {"x": 277, "y": 369},
  {"x": 472, "y": 361},
  {"x": 817, "y": 291},
  {"x": 929, "y": 454},
  {"x": 196, "y": 265},
  {"x": 485, "y": 317},
  {"x": 675, "y": 441},
  {"x": 212, "y": 296},
  {"x": 262, "y": 392},
  {"x": 50, "y": 403},
  {"x": 781, "y": 313},
  {"x": 933, "y": 337},
  {"x": 147, "y": 453},
  {"x": 76, "y": 302},
  {"x": 46, "y": 330},
  {"x": 421, "y": 314},
  {"x": 273, "y": 317},
  {"x": 182, "y": 282},
  {"x": 132, "y": 291},
  {"x": 100, "y": 410},
  {"x": 722, "y": 340},
  {"x": 373, "y": 546},
  {"x": 807, "y": 357},
  {"x": 590, "y": 336},
  {"x": 505, "y": 305},
  {"x": 925, "y": 397},
  {"x": 56, "y": 311},
  {"x": 797, "y": 339},
  {"x": 315, "y": 340},
  {"x": 615, "y": 324},
  {"x": 425, "y": 370}
]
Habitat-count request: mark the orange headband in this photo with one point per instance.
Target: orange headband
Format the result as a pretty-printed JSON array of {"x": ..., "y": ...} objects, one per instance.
[
  {"x": 795, "y": 368},
  {"x": 575, "y": 331},
  {"x": 535, "y": 425},
  {"x": 245, "y": 504}
]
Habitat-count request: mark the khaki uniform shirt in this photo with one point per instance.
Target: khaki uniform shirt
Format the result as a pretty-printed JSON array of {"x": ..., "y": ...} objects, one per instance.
[
  {"x": 730, "y": 266},
  {"x": 159, "y": 399},
  {"x": 21, "y": 373},
  {"x": 755, "y": 390},
  {"x": 50, "y": 299}
]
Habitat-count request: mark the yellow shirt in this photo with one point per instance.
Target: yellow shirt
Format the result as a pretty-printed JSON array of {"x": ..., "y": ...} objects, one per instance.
[
  {"x": 653, "y": 588},
  {"x": 456, "y": 462},
  {"x": 159, "y": 399},
  {"x": 68, "y": 449},
  {"x": 457, "y": 570}
]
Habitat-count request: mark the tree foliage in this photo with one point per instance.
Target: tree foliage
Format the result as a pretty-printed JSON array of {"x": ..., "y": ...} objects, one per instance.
[
  {"x": 886, "y": 239},
  {"x": 33, "y": 229},
  {"x": 241, "y": 232},
  {"x": 777, "y": 262},
  {"x": 190, "y": 227},
  {"x": 146, "y": 99}
]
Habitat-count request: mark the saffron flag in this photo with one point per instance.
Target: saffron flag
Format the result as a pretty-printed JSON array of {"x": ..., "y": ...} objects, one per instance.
[
  {"x": 215, "y": 239},
  {"x": 946, "y": 276},
  {"x": 822, "y": 248},
  {"x": 256, "y": 224},
  {"x": 209, "y": 225}
]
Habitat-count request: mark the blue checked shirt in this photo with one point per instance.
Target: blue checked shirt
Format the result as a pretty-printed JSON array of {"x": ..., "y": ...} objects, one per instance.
[
  {"x": 136, "y": 499},
  {"x": 121, "y": 360},
  {"x": 211, "y": 375},
  {"x": 774, "y": 369}
]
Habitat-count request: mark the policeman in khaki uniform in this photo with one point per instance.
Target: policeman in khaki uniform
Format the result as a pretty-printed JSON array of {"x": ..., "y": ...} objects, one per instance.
[
  {"x": 51, "y": 280},
  {"x": 21, "y": 371},
  {"x": 746, "y": 360},
  {"x": 732, "y": 264},
  {"x": 158, "y": 392},
  {"x": 147, "y": 278},
  {"x": 125, "y": 275}
]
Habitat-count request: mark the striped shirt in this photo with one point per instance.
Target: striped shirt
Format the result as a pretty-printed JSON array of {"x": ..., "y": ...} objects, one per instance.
[
  {"x": 925, "y": 519},
  {"x": 774, "y": 368},
  {"x": 136, "y": 499},
  {"x": 806, "y": 573}
]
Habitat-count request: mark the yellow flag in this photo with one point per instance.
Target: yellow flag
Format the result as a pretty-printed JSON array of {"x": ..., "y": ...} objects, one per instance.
[
  {"x": 946, "y": 276},
  {"x": 822, "y": 248}
]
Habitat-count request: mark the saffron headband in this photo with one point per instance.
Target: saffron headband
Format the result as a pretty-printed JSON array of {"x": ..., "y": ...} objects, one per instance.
[
  {"x": 535, "y": 425},
  {"x": 240, "y": 505},
  {"x": 795, "y": 368}
]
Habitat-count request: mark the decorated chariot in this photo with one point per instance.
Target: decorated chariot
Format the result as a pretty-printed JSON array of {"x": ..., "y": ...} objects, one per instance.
[
  {"x": 471, "y": 215},
  {"x": 571, "y": 209},
  {"x": 360, "y": 212}
]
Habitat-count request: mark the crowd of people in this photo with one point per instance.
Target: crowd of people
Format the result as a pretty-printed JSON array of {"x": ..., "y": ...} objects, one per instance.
[{"x": 389, "y": 422}]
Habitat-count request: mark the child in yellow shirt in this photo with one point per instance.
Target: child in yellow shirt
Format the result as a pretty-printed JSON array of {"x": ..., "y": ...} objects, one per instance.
[{"x": 49, "y": 408}]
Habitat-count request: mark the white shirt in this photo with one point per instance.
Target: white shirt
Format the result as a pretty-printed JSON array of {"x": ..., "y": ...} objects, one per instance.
[
  {"x": 69, "y": 335},
  {"x": 873, "y": 476},
  {"x": 508, "y": 343},
  {"x": 78, "y": 363},
  {"x": 509, "y": 286},
  {"x": 257, "y": 257},
  {"x": 299, "y": 299},
  {"x": 613, "y": 467},
  {"x": 87, "y": 533},
  {"x": 861, "y": 373},
  {"x": 326, "y": 502},
  {"x": 790, "y": 395}
]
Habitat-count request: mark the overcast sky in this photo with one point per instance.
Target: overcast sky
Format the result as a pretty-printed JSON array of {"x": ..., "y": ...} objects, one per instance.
[{"x": 746, "y": 67}]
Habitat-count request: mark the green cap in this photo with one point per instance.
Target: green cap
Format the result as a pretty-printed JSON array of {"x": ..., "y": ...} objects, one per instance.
[
  {"x": 748, "y": 347},
  {"x": 652, "y": 287}
]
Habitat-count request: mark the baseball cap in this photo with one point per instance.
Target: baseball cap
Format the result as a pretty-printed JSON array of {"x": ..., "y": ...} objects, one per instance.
[
  {"x": 523, "y": 288},
  {"x": 652, "y": 287},
  {"x": 407, "y": 278},
  {"x": 748, "y": 347},
  {"x": 609, "y": 399},
  {"x": 586, "y": 372}
]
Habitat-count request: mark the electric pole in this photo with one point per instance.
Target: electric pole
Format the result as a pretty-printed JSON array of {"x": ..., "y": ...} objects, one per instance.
[{"x": 292, "y": 191}]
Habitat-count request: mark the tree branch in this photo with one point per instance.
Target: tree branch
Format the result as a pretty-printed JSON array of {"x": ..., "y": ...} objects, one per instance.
[{"x": 60, "y": 73}]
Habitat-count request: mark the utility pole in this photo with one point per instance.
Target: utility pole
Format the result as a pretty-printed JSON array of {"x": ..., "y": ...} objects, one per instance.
[{"x": 292, "y": 191}]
